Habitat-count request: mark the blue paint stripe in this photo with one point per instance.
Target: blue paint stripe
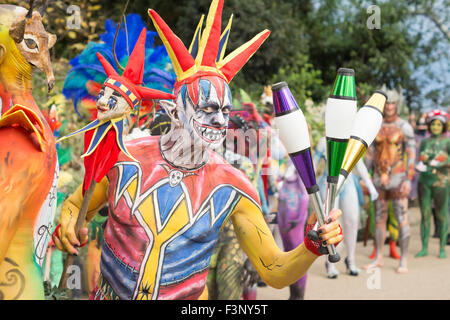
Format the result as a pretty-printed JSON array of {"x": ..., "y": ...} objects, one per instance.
[
  {"x": 98, "y": 134},
  {"x": 222, "y": 42},
  {"x": 121, "y": 277}
]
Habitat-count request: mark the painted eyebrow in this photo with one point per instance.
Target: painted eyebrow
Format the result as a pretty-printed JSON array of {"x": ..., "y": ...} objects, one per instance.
[
  {"x": 115, "y": 93},
  {"x": 211, "y": 104}
]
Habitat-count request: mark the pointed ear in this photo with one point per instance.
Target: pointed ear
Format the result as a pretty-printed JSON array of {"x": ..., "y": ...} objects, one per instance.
[
  {"x": 171, "y": 109},
  {"x": 51, "y": 40}
]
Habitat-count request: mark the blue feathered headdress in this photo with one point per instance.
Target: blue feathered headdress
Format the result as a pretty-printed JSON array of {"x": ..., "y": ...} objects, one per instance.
[{"x": 158, "y": 72}]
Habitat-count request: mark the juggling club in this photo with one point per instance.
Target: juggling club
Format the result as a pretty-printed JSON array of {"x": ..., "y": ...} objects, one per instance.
[{"x": 294, "y": 134}]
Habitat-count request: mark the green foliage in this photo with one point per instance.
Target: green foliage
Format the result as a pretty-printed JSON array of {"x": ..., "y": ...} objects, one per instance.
[{"x": 304, "y": 81}]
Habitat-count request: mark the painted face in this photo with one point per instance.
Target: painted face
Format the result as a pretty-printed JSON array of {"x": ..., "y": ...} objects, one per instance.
[
  {"x": 436, "y": 127},
  {"x": 206, "y": 110},
  {"x": 390, "y": 109},
  {"x": 111, "y": 104}
]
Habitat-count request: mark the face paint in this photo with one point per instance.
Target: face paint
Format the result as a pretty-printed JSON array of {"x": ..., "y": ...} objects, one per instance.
[
  {"x": 207, "y": 106},
  {"x": 390, "y": 109},
  {"x": 436, "y": 127},
  {"x": 111, "y": 105}
]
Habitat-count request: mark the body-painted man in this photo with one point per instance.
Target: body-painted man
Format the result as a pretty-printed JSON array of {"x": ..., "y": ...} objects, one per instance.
[
  {"x": 167, "y": 209},
  {"x": 433, "y": 180},
  {"x": 392, "y": 177}
]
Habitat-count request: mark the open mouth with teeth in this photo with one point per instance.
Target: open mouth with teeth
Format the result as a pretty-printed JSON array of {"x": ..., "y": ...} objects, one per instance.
[{"x": 208, "y": 133}]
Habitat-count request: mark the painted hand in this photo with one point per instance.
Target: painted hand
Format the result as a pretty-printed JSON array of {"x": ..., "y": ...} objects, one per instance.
[
  {"x": 421, "y": 167},
  {"x": 373, "y": 193},
  {"x": 329, "y": 233},
  {"x": 434, "y": 163},
  {"x": 64, "y": 237}
]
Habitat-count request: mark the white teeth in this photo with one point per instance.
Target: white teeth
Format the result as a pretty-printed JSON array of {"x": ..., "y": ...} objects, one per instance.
[{"x": 211, "y": 134}]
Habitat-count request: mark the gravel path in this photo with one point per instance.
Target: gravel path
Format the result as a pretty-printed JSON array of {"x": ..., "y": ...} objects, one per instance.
[{"x": 428, "y": 277}]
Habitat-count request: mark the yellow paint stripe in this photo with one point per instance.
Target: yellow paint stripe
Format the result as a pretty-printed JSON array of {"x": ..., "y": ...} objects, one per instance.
[
  {"x": 207, "y": 31},
  {"x": 197, "y": 31},
  {"x": 228, "y": 28}
]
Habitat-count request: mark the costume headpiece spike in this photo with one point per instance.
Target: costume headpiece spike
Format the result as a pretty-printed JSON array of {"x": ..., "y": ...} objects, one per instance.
[
  {"x": 134, "y": 71},
  {"x": 109, "y": 69},
  {"x": 128, "y": 85},
  {"x": 181, "y": 59},
  {"x": 210, "y": 48},
  {"x": 195, "y": 44},
  {"x": 147, "y": 93},
  {"x": 239, "y": 57},
  {"x": 209, "y": 45},
  {"x": 224, "y": 39}
]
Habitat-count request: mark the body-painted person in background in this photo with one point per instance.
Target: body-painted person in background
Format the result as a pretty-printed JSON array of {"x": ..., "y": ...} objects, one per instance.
[
  {"x": 29, "y": 167},
  {"x": 167, "y": 209},
  {"x": 348, "y": 201},
  {"x": 392, "y": 177},
  {"x": 433, "y": 180}
]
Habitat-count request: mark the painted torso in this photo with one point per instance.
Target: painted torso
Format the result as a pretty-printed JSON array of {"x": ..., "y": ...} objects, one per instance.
[
  {"x": 390, "y": 145},
  {"x": 435, "y": 148},
  {"x": 163, "y": 223}
]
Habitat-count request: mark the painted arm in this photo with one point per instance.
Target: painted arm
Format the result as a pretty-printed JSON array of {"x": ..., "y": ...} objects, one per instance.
[
  {"x": 369, "y": 158},
  {"x": 276, "y": 267},
  {"x": 364, "y": 174},
  {"x": 68, "y": 241},
  {"x": 442, "y": 160},
  {"x": 410, "y": 150}
]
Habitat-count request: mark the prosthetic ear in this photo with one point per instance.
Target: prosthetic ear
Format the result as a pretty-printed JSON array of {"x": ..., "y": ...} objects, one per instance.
[{"x": 171, "y": 109}]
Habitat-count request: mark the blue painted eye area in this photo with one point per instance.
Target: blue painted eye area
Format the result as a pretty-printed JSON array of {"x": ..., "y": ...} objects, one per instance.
[
  {"x": 100, "y": 95},
  {"x": 112, "y": 102}
]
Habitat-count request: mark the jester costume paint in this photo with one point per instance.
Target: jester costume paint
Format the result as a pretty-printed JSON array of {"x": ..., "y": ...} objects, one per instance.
[
  {"x": 167, "y": 208},
  {"x": 158, "y": 214}
]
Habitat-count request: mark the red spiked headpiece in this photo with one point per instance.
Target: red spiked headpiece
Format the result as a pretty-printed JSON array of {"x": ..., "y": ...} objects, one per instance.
[
  {"x": 205, "y": 56},
  {"x": 129, "y": 84}
]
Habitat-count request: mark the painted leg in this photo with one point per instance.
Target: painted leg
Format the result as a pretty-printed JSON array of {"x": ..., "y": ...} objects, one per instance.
[
  {"x": 349, "y": 205},
  {"x": 292, "y": 217},
  {"x": 250, "y": 293},
  {"x": 381, "y": 215},
  {"x": 425, "y": 223},
  {"x": 393, "y": 249},
  {"x": 296, "y": 292},
  {"x": 393, "y": 233},
  {"x": 440, "y": 196},
  {"x": 374, "y": 251},
  {"x": 400, "y": 209}
]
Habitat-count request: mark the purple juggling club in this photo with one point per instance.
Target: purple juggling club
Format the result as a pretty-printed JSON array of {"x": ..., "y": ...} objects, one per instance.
[{"x": 294, "y": 134}]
